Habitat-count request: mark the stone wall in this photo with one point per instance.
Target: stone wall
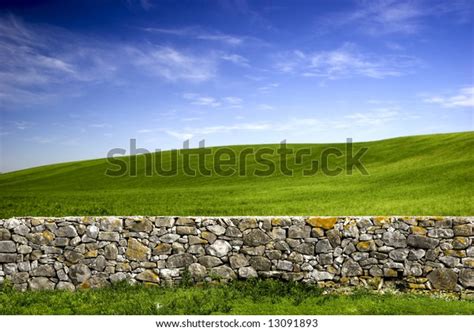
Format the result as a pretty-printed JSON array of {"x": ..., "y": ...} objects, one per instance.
[{"x": 82, "y": 252}]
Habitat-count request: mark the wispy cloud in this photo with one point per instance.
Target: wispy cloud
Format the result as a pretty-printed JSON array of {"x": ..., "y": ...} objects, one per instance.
[
  {"x": 373, "y": 117},
  {"x": 236, "y": 59},
  {"x": 268, "y": 87},
  {"x": 172, "y": 64},
  {"x": 41, "y": 63},
  {"x": 37, "y": 62},
  {"x": 208, "y": 101},
  {"x": 464, "y": 98},
  {"x": 264, "y": 106},
  {"x": 199, "y": 100},
  {"x": 199, "y": 33},
  {"x": 381, "y": 17},
  {"x": 344, "y": 62}
]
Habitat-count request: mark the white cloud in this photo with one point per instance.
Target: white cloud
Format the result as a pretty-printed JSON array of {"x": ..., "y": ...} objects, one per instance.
[
  {"x": 344, "y": 62},
  {"x": 41, "y": 63},
  {"x": 199, "y": 100},
  {"x": 196, "y": 32},
  {"x": 236, "y": 59},
  {"x": 264, "y": 106},
  {"x": 372, "y": 118},
  {"x": 172, "y": 64},
  {"x": 463, "y": 99},
  {"x": 233, "y": 102},
  {"x": 379, "y": 17},
  {"x": 207, "y": 101},
  {"x": 268, "y": 87}
]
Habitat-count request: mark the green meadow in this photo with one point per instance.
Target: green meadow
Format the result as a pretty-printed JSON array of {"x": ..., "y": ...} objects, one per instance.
[
  {"x": 416, "y": 175},
  {"x": 258, "y": 297}
]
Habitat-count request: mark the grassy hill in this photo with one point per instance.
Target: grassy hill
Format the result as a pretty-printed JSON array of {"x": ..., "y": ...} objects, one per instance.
[{"x": 429, "y": 175}]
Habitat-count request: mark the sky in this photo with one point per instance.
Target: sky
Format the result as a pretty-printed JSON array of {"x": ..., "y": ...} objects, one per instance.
[{"x": 78, "y": 78}]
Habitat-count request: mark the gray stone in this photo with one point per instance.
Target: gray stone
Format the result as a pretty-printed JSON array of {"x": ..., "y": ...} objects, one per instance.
[
  {"x": 278, "y": 233},
  {"x": 20, "y": 277},
  {"x": 351, "y": 268},
  {"x": 422, "y": 241},
  {"x": 185, "y": 221},
  {"x": 317, "y": 275},
  {"x": 109, "y": 236},
  {"x": 61, "y": 242},
  {"x": 395, "y": 239},
  {"x": 7, "y": 246},
  {"x": 40, "y": 284},
  {"x": 11, "y": 223},
  {"x": 248, "y": 223},
  {"x": 233, "y": 231},
  {"x": 65, "y": 286},
  {"x": 92, "y": 231},
  {"x": 465, "y": 230},
  {"x": 167, "y": 222},
  {"x": 99, "y": 263},
  {"x": 223, "y": 272},
  {"x": 79, "y": 273},
  {"x": 305, "y": 248},
  {"x": 450, "y": 261},
  {"x": 238, "y": 261},
  {"x": 413, "y": 269},
  {"x": 209, "y": 261},
  {"x": 218, "y": 230},
  {"x": 179, "y": 260},
  {"x": 334, "y": 237},
  {"x": 22, "y": 230},
  {"x": 197, "y": 271},
  {"x": 169, "y": 238},
  {"x": 143, "y": 225},
  {"x": 186, "y": 230},
  {"x": 260, "y": 263},
  {"x": 219, "y": 248},
  {"x": 5, "y": 234},
  {"x": 416, "y": 254},
  {"x": 376, "y": 271},
  {"x": 443, "y": 279},
  {"x": 111, "y": 252},
  {"x": 325, "y": 259},
  {"x": 299, "y": 231},
  {"x": 399, "y": 254},
  {"x": 67, "y": 231},
  {"x": 44, "y": 270},
  {"x": 255, "y": 237},
  {"x": 441, "y": 233},
  {"x": 247, "y": 272},
  {"x": 24, "y": 266},
  {"x": 169, "y": 273},
  {"x": 118, "y": 277},
  {"x": 73, "y": 256},
  {"x": 323, "y": 246},
  {"x": 466, "y": 278},
  {"x": 148, "y": 276},
  {"x": 7, "y": 258},
  {"x": 285, "y": 265},
  {"x": 111, "y": 224},
  {"x": 196, "y": 250}
]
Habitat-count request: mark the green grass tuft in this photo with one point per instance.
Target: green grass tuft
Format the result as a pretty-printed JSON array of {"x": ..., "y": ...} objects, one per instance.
[{"x": 265, "y": 297}]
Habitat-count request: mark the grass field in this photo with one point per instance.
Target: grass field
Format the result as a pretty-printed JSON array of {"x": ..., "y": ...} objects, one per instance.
[
  {"x": 419, "y": 175},
  {"x": 241, "y": 298}
]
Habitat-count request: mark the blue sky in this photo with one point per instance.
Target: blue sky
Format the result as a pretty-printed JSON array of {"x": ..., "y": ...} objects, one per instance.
[{"x": 78, "y": 78}]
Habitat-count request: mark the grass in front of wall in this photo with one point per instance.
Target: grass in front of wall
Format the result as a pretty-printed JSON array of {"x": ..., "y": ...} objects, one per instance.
[{"x": 258, "y": 297}]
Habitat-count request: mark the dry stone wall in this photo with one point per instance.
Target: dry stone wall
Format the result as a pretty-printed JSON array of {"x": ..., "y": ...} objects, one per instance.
[{"x": 87, "y": 252}]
